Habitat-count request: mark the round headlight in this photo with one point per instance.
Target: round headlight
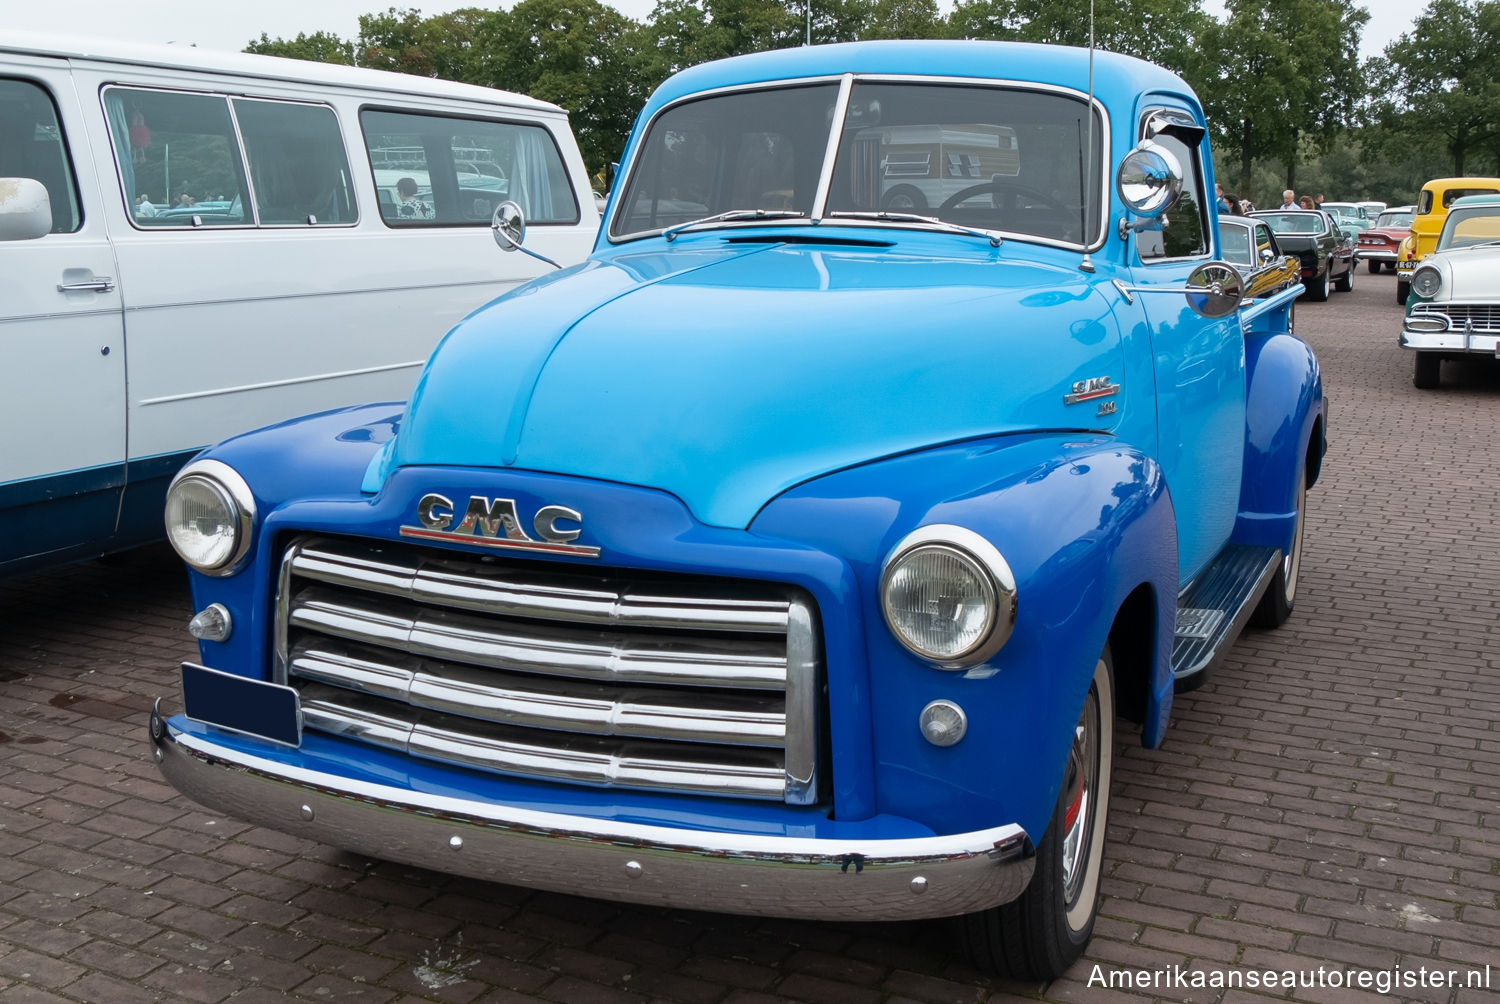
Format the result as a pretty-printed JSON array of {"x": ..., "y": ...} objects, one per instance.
[
  {"x": 209, "y": 514},
  {"x": 1427, "y": 282},
  {"x": 948, "y": 596}
]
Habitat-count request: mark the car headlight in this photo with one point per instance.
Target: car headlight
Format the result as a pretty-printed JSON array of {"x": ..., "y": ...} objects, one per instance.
[
  {"x": 948, "y": 596},
  {"x": 210, "y": 513},
  {"x": 1427, "y": 282}
]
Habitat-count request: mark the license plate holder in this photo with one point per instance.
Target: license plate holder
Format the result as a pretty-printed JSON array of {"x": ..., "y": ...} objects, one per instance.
[{"x": 268, "y": 711}]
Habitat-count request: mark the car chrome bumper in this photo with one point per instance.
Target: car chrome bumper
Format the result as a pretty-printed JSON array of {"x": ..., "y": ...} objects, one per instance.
[
  {"x": 1451, "y": 341},
  {"x": 779, "y": 876},
  {"x": 1376, "y": 255}
]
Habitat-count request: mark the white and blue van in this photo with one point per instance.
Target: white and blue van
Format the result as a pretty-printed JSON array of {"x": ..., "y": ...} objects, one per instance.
[{"x": 197, "y": 243}]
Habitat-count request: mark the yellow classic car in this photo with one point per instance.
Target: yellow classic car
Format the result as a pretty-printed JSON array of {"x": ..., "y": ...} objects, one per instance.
[{"x": 1432, "y": 209}]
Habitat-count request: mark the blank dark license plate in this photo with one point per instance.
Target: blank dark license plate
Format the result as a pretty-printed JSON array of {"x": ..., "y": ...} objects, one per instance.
[{"x": 253, "y": 707}]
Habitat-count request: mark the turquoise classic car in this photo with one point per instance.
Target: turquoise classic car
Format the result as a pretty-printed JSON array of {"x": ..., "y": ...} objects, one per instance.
[{"x": 797, "y": 553}]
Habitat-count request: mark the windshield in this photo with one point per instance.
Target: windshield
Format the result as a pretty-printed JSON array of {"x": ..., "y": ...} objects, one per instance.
[
  {"x": 1394, "y": 220},
  {"x": 1001, "y": 159},
  {"x": 1293, "y": 223},
  {"x": 1470, "y": 226}
]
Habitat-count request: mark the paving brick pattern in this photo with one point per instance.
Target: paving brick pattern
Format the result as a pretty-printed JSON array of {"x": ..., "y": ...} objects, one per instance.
[{"x": 1330, "y": 799}]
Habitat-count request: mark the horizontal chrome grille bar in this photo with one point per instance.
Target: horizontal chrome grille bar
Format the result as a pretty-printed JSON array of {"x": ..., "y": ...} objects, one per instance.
[
  {"x": 538, "y": 596},
  {"x": 537, "y": 702},
  {"x": 517, "y": 752},
  {"x": 553, "y": 651}
]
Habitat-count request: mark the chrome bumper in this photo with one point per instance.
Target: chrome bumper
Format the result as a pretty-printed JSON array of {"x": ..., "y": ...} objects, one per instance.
[
  {"x": 777, "y": 876},
  {"x": 1377, "y": 255},
  {"x": 1487, "y": 343}
]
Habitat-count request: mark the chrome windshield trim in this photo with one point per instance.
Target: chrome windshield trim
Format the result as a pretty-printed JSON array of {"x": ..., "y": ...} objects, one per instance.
[
  {"x": 825, "y": 179},
  {"x": 814, "y": 878},
  {"x": 831, "y": 151}
]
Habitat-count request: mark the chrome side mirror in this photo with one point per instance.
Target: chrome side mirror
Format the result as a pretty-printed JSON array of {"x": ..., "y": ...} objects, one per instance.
[
  {"x": 25, "y": 209},
  {"x": 1149, "y": 182},
  {"x": 508, "y": 225},
  {"x": 1215, "y": 289}
]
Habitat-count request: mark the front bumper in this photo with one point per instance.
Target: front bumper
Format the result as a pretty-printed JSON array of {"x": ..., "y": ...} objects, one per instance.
[
  {"x": 778, "y": 876},
  {"x": 1486, "y": 343}
]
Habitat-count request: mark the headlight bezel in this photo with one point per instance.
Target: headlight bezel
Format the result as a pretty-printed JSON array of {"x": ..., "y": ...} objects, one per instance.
[
  {"x": 1435, "y": 280},
  {"x": 232, "y": 489},
  {"x": 986, "y": 560}
]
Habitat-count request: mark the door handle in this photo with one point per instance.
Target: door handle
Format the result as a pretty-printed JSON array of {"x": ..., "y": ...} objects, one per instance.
[{"x": 103, "y": 284}]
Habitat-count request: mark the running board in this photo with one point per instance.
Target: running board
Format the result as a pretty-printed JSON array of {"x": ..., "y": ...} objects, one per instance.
[{"x": 1214, "y": 608}]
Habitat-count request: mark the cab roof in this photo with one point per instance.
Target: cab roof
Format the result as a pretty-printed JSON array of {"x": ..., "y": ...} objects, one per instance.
[{"x": 1028, "y": 62}]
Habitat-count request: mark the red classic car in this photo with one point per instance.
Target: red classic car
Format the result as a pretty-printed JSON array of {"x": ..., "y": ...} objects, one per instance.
[{"x": 1378, "y": 244}]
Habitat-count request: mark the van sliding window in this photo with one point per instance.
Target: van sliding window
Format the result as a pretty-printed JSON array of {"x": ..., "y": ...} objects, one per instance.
[
  {"x": 436, "y": 170},
  {"x": 183, "y": 160}
]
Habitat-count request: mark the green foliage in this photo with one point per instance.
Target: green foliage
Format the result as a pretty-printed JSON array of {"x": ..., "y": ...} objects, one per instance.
[
  {"x": 320, "y": 47},
  {"x": 1446, "y": 73}
]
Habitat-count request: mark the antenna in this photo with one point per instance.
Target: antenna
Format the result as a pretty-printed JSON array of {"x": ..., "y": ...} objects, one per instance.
[{"x": 1087, "y": 265}]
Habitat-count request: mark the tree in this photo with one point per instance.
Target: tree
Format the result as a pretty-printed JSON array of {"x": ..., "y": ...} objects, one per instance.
[
  {"x": 1162, "y": 31},
  {"x": 1447, "y": 70},
  {"x": 320, "y": 47},
  {"x": 1286, "y": 71}
]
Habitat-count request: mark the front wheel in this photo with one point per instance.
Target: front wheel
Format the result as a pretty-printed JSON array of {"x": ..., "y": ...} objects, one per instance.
[
  {"x": 1044, "y": 931},
  {"x": 1403, "y": 290}
]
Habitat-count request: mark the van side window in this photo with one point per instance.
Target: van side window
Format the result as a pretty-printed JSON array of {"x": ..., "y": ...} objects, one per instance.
[
  {"x": 433, "y": 170},
  {"x": 32, "y": 146},
  {"x": 178, "y": 158},
  {"x": 298, "y": 170}
]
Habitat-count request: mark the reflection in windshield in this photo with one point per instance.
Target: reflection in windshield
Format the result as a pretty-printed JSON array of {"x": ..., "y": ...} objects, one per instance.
[
  {"x": 759, "y": 149},
  {"x": 991, "y": 158},
  {"x": 996, "y": 159}
]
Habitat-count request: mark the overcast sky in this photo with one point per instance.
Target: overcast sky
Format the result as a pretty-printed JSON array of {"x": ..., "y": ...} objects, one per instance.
[{"x": 231, "y": 26}]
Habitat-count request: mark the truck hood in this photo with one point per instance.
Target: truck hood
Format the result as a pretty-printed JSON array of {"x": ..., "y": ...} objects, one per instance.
[{"x": 726, "y": 373}]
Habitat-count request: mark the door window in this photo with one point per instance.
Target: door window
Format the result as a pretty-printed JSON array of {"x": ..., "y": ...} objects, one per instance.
[
  {"x": 1182, "y": 232},
  {"x": 32, "y": 146},
  {"x": 178, "y": 158}
]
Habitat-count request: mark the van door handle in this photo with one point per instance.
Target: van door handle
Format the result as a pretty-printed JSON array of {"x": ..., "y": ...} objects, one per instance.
[{"x": 103, "y": 284}]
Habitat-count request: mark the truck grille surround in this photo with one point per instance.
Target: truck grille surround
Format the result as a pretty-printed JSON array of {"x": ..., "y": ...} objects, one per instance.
[{"x": 607, "y": 678}]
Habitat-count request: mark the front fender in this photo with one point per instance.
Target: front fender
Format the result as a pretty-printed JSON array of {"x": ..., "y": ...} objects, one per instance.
[
  {"x": 318, "y": 456},
  {"x": 1084, "y": 522},
  {"x": 1285, "y": 436}
]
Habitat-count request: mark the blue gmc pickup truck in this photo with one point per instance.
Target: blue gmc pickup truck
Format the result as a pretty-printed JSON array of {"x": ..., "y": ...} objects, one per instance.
[{"x": 797, "y": 553}]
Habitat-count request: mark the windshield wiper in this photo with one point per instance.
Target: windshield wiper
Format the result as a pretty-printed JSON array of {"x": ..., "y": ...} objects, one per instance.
[
  {"x": 733, "y": 214},
  {"x": 932, "y": 221}
]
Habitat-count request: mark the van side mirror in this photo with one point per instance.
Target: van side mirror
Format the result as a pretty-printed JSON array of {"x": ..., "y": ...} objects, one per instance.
[
  {"x": 25, "y": 209},
  {"x": 509, "y": 227}
]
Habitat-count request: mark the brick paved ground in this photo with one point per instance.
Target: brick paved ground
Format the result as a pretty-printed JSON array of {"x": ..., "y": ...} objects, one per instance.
[{"x": 1330, "y": 798}]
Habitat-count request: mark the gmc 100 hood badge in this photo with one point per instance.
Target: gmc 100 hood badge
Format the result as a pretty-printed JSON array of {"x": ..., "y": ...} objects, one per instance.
[{"x": 495, "y": 524}]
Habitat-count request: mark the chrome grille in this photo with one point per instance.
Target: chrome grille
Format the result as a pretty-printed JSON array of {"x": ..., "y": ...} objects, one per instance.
[
  {"x": 658, "y": 682},
  {"x": 1485, "y": 316}
]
